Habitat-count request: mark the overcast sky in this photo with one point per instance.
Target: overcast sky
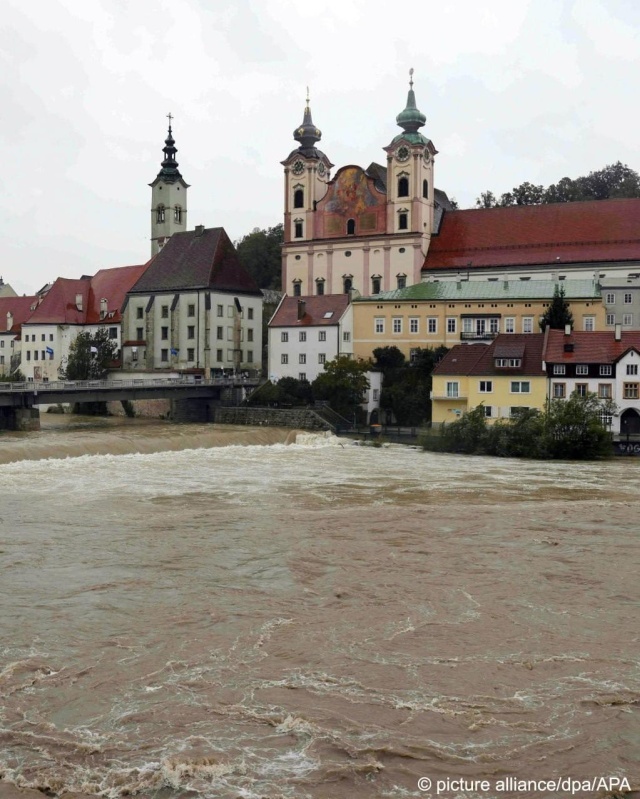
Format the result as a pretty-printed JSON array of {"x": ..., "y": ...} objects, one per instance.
[{"x": 513, "y": 90}]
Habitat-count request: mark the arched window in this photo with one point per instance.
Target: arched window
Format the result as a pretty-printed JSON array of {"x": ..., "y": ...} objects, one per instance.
[
  {"x": 347, "y": 285},
  {"x": 403, "y": 187},
  {"x": 160, "y": 213},
  {"x": 320, "y": 286},
  {"x": 425, "y": 189},
  {"x": 177, "y": 214},
  {"x": 376, "y": 281},
  {"x": 297, "y": 288},
  {"x": 402, "y": 281},
  {"x": 403, "y": 220},
  {"x": 351, "y": 227},
  {"x": 298, "y": 198},
  {"x": 298, "y": 228}
]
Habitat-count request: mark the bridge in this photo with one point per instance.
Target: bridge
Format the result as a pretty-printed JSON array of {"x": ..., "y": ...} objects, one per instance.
[{"x": 19, "y": 401}]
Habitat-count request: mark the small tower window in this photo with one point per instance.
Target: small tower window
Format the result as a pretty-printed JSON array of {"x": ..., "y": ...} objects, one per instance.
[
  {"x": 298, "y": 228},
  {"x": 402, "y": 281},
  {"x": 298, "y": 198},
  {"x": 351, "y": 227},
  {"x": 297, "y": 288},
  {"x": 403, "y": 187},
  {"x": 320, "y": 286},
  {"x": 177, "y": 214},
  {"x": 376, "y": 284},
  {"x": 347, "y": 284},
  {"x": 425, "y": 189},
  {"x": 160, "y": 214},
  {"x": 403, "y": 220}
]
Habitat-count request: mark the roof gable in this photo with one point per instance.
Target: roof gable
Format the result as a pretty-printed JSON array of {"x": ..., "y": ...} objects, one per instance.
[
  {"x": 479, "y": 359},
  {"x": 315, "y": 311},
  {"x": 590, "y": 346}
]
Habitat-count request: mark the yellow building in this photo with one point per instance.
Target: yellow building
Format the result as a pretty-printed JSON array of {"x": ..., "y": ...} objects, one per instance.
[
  {"x": 504, "y": 377},
  {"x": 449, "y": 313}
]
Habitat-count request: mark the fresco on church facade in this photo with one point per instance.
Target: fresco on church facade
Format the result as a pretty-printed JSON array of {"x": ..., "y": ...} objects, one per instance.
[{"x": 351, "y": 195}]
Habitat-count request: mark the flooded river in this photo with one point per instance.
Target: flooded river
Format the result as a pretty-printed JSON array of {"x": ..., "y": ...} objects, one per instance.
[{"x": 202, "y": 611}]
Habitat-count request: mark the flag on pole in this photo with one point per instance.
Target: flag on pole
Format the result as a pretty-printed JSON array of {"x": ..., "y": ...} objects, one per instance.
[
  {"x": 173, "y": 351},
  {"x": 49, "y": 351}
]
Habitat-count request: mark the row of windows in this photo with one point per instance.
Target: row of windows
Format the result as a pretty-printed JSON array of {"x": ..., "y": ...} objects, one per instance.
[
  {"x": 43, "y": 337},
  {"x": 298, "y": 224},
  {"x": 473, "y": 327},
  {"x": 2, "y": 342},
  {"x": 302, "y": 358},
  {"x": 191, "y": 333},
  {"x": 610, "y": 299},
  {"x": 39, "y": 355},
  {"x": 627, "y": 319},
  {"x": 322, "y": 336},
  {"x": 161, "y": 214},
  {"x": 191, "y": 311},
  {"x": 164, "y": 355},
  {"x": 486, "y": 387},
  {"x": 605, "y": 390}
]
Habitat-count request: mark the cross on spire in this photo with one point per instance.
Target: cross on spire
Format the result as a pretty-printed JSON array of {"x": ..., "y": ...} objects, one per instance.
[
  {"x": 411, "y": 78},
  {"x": 169, "y": 117}
]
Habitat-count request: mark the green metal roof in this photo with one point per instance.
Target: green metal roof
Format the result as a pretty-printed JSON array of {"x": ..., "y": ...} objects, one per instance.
[{"x": 452, "y": 290}]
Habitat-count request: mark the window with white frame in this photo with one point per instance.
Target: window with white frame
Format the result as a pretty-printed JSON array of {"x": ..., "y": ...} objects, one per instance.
[
  {"x": 467, "y": 325},
  {"x": 488, "y": 411},
  {"x": 378, "y": 324},
  {"x": 302, "y": 358},
  {"x": 432, "y": 325},
  {"x": 527, "y": 324},
  {"x": 302, "y": 335},
  {"x": 627, "y": 319},
  {"x": 605, "y": 370},
  {"x": 346, "y": 336},
  {"x": 628, "y": 299},
  {"x": 220, "y": 310},
  {"x": 376, "y": 394},
  {"x": 589, "y": 323},
  {"x": 559, "y": 369},
  {"x": 510, "y": 324},
  {"x": 604, "y": 391},
  {"x": 302, "y": 375},
  {"x": 520, "y": 387},
  {"x": 322, "y": 335},
  {"x": 610, "y": 299},
  {"x": 413, "y": 324},
  {"x": 453, "y": 389},
  {"x": 284, "y": 337},
  {"x": 611, "y": 319},
  {"x": 451, "y": 325},
  {"x": 322, "y": 357},
  {"x": 582, "y": 369},
  {"x": 485, "y": 386},
  {"x": 494, "y": 325},
  {"x": 284, "y": 358},
  {"x": 397, "y": 324}
]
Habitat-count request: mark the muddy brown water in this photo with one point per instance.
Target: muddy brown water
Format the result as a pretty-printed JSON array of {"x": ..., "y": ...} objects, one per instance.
[{"x": 206, "y": 611}]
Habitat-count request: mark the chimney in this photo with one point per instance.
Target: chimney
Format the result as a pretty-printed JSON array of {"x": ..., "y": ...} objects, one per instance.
[
  {"x": 506, "y": 281},
  {"x": 618, "y": 332},
  {"x": 79, "y": 301},
  {"x": 199, "y": 230},
  {"x": 302, "y": 309},
  {"x": 567, "y": 330},
  {"x": 9, "y": 319},
  {"x": 103, "y": 308}
]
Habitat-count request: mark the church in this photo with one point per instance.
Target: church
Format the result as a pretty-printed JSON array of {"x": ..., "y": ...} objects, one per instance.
[{"x": 365, "y": 230}]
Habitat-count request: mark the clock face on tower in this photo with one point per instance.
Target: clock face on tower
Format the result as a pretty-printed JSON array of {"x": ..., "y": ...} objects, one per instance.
[
  {"x": 402, "y": 153},
  {"x": 321, "y": 169},
  {"x": 298, "y": 167}
]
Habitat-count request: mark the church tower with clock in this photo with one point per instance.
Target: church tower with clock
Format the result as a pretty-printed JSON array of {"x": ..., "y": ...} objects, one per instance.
[
  {"x": 168, "y": 198},
  {"x": 365, "y": 230}
]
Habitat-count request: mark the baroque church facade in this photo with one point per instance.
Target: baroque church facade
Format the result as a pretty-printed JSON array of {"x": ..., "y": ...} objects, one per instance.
[{"x": 364, "y": 230}]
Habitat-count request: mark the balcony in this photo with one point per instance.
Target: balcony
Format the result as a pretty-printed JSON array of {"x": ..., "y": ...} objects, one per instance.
[{"x": 486, "y": 336}]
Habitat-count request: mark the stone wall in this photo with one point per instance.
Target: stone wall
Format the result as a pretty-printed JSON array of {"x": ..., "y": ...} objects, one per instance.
[
  {"x": 274, "y": 417},
  {"x": 152, "y": 408}
]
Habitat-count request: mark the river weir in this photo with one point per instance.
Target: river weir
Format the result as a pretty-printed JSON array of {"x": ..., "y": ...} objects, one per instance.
[{"x": 201, "y": 611}]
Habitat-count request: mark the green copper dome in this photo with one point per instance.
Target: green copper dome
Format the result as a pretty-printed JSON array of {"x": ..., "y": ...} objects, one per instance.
[{"x": 411, "y": 119}]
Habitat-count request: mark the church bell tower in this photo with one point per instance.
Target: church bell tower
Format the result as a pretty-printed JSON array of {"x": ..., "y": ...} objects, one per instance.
[{"x": 168, "y": 198}]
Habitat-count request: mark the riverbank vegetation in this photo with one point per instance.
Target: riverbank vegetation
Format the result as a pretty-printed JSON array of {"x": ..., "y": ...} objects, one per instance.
[{"x": 573, "y": 429}]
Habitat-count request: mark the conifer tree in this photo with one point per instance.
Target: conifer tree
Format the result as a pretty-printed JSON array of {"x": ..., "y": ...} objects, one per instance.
[{"x": 558, "y": 314}]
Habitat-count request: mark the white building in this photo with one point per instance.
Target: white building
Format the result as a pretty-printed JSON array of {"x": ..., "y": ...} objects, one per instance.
[{"x": 307, "y": 332}]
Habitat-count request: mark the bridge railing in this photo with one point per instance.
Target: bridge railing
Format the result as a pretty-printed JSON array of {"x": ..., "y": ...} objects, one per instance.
[{"x": 159, "y": 382}]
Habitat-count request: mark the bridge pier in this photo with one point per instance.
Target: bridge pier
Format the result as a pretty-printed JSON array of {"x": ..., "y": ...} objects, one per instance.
[
  {"x": 19, "y": 418},
  {"x": 191, "y": 410}
]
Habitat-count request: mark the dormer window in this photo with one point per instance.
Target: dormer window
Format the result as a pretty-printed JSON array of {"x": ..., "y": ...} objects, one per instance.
[
  {"x": 160, "y": 214},
  {"x": 508, "y": 363},
  {"x": 403, "y": 187},
  {"x": 351, "y": 227},
  {"x": 298, "y": 198}
]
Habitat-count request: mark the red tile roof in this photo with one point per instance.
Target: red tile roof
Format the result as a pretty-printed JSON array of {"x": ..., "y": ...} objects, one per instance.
[
  {"x": 59, "y": 304},
  {"x": 20, "y": 307},
  {"x": 315, "y": 310},
  {"x": 555, "y": 234},
  {"x": 589, "y": 347},
  {"x": 478, "y": 359}
]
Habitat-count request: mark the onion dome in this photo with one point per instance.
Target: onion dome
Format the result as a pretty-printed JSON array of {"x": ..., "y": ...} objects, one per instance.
[
  {"x": 307, "y": 134},
  {"x": 169, "y": 172},
  {"x": 411, "y": 119}
]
